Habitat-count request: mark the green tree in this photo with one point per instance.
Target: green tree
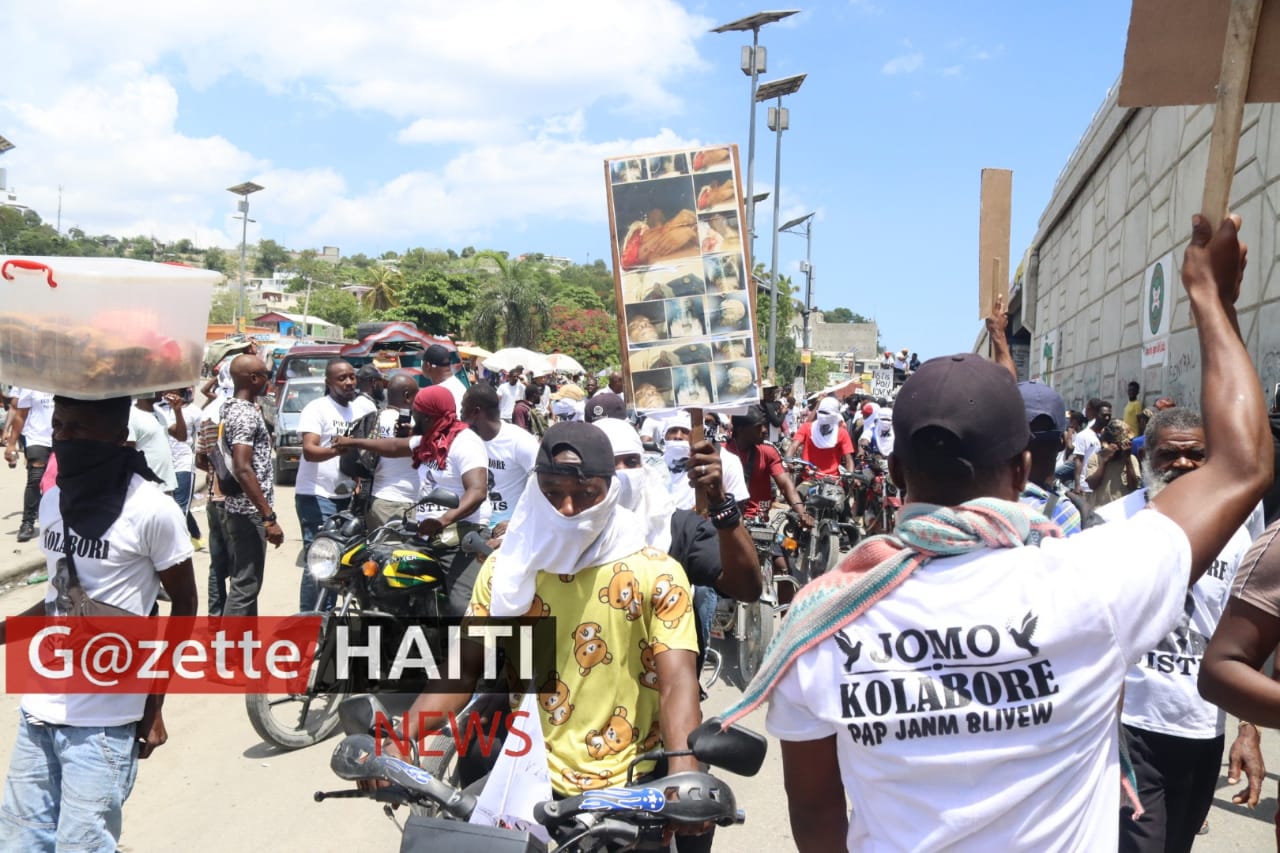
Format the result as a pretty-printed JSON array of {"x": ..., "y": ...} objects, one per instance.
[
  {"x": 819, "y": 370},
  {"x": 596, "y": 276},
  {"x": 386, "y": 284},
  {"x": 786, "y": 358},
  {"x": 223, "y": 307},
  {"x": 217, "y": 259},
  {"x": 577, "y": 296},
  {"x": 337, "y": 306},
  {"x": 435, "y": 300},
  {"x": 270, "y": 255},
  {"x": 360, "y": 261},
  {"x": 589, "y": 336},
  {"x": 142, "y": 248},
  {"x": 512, "y": 308}
]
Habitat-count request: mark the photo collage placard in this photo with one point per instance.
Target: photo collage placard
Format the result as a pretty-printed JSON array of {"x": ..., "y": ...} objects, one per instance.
[{"x": 685, "y": 307}]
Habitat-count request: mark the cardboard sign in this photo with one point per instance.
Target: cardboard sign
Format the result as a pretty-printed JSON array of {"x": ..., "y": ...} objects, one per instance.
[
  {"x": 1174, "y": 53},
  {"x": 993, "y": 237},
  {"x": 882, "y": 383},
  {"x": 1155, "y": 314},
  {"x": 686, "y": 308}
]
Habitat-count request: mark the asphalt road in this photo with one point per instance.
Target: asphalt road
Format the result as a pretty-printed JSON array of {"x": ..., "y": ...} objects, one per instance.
[{"x": 215, "y": 786}]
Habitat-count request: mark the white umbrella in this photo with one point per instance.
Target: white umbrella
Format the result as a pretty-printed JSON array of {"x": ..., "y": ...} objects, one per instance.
[
  {"x": 510, "y": 358},
  {"x": 562, "y": 363}
]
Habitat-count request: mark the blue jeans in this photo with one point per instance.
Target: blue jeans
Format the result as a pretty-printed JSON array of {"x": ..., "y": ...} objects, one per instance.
[
  {"x": 705, "y": 599},
  {"x": 183, "y": 495},
  {"x": 313, "y": 511},
  {"x": 67, "y": 786}
]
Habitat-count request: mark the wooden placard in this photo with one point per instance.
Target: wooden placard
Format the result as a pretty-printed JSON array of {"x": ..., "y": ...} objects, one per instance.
[
  {"x": 995, "y": 212},
  {"x": 1175, "y": 50},
  {"x": 681, "y": 260}
]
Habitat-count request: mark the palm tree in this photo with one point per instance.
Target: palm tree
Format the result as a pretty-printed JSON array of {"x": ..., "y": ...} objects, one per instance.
[
  {"x": 384, "y": 287},
  {"x": 512, "y": 309}
]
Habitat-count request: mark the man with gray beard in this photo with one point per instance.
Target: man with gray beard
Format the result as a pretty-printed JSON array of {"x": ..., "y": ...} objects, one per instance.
[{"x": 1175, "y": 737}]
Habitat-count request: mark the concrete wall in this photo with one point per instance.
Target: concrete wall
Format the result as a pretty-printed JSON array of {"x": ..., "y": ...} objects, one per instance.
[{"x": 1124, "y": 200}]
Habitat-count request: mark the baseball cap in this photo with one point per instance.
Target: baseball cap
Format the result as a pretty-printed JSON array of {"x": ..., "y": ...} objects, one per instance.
[
  {"x": 975, "y": 400},
  {"x": 437, "y": 356},
  {"x": 753, "y": 416},
  {"x": 587, "y": 440},
  {"x": 1039, "y": 399},
  {"x": 605, "y": 405},
  {"x": 368, "y": 372}
]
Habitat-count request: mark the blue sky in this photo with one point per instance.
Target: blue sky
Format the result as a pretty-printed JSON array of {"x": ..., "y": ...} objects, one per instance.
[{"x": 441, "y": 124}]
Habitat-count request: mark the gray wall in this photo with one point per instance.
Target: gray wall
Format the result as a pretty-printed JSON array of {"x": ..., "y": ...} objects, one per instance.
[{"x": 1125, "y": 199}]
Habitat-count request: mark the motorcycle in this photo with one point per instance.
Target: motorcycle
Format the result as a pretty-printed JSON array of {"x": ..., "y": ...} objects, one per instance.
[
  {"x": 388, "y": 573},
  {"x": 826, "y": 500},
  {"x": 629, "y": 817},
  {"x": 745, "y": 629},
  {"x": 883, "y": 500}
]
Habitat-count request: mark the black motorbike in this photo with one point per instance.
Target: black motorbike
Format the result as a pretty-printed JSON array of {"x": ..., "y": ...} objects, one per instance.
[
  {"x": 826, "y": 499},
  {"x": 389, "y": 573},
  {"x": 630, "y": 817}
]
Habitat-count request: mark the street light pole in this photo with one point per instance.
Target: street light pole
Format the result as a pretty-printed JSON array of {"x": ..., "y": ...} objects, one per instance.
[
  {"x": 807, "y": 269},
  {"x": 244, "y": 191}
]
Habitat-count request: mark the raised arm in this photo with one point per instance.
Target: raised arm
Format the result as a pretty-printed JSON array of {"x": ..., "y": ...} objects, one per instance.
[{"x": 1238, "y": 470}]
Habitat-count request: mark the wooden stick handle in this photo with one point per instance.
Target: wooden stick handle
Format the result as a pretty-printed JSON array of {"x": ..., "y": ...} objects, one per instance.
[
  {"x": 1228, "y": 113},
  {"x": 695, "y": 438}
]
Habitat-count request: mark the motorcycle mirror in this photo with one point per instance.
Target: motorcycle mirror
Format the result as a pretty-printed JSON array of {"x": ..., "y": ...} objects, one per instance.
[
  {"x": 353, "y": 757},
  {"x": 474, "y": 543},
  {"x": 440, "y": 497},
  {"x": 359, "y": 714},
  {"x": 736, "y": 749}
]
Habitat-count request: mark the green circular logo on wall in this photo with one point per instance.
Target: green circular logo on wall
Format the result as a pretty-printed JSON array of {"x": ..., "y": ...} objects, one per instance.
[{"x": 1155, "y": 299}]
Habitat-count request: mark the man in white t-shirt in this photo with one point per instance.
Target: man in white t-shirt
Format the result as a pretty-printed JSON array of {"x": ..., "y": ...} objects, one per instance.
[
  {"x": 511, "y": 452},
  {"x": 437, "y": 365},
  {"x": 395, "y": 483},
  {"x": 76, "y": 755},
  {"x": 32, "y": 420},
  {"x": 510, "y": 390},
  {"x": 676, "y": 452},
  {"x": 182, "y": 433},
  {"x": 322, "y": 490},
  {"x": 963, "y": 690},
  {"x": 147, "y": 432},
  {"x": 1097, "y": 415},
  {"x": 1175, "y": 737}
]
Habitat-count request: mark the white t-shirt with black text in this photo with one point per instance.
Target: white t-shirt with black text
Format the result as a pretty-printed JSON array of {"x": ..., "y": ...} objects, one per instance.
[
  {"x": 511, "y": 454},
  {"x": 1085, "y": 444},
  {"x": 466, "y": 453},
  {"x": 1160, "y": 693},
  {"x": 38, "y": 429},
  {"x": 394, "y": 479},
  {"x": 974, "y": 707},
  {"x": 326, "y": 418},
  {"x": 121, "y": 569}
]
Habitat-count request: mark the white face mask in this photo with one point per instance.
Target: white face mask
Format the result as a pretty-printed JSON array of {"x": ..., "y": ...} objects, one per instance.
[
  {"x": 631, "y": 481},
  {"x": 675, "y": 452}
]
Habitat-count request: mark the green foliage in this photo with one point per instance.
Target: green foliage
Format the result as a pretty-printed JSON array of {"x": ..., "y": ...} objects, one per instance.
[
  {"x": 270, "y": 255},
  {"x": 816, "y": 379},
  {"x": 787, "y": 359},
  {"x": 513, "y": 308},
  {"x": 589, "y": 336},
  {"x": 842, "y": 315},
  {"x": 437, "y": 301},
  {"x": 337, "y": 306},
  {"x": 597, "y": 276},
  {"x": 360, "y": 261},
  {"x": 577, "y": 296},
  {"x": 223, "y": 307},
  {"x": 217, "y": 259},
  {"x": 386, "y": 284},
  {"x": 142, "y": 248}
]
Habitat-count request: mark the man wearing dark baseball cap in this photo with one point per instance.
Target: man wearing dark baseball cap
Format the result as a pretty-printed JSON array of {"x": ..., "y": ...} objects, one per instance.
[
  {"x": 961, "y": 686},
  {"x": 437, "y": 365},
  {"x": 1047, "y": 419},
  {"x": 574, "y": 553},
  {"x": 605, "y": 404}
]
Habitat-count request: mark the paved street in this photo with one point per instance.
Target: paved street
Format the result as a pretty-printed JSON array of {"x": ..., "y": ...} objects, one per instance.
[{"x": 215, "y": 786}]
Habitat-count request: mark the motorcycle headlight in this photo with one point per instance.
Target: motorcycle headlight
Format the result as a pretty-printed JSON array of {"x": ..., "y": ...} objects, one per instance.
[{"x": 322, "y": 558}]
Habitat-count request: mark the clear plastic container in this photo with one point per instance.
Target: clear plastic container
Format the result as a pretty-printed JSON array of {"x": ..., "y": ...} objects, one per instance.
[{"x": 94, "y": 328}]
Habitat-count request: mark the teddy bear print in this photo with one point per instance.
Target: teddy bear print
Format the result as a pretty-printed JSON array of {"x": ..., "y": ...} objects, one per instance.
[
  {"x": 586, "y": 781},
  {"x": 618, "y": 734},
  {"x": 653, "y": 738},
  {"x": 553, "y": 696},
  {"x": 538, "y": 607},
  {"x": 623, "y": 592},
  {"x": 477, "y": 610},
  {"x": 649, "y": 658},
  {"x": 589, "y": 648},
  {"x": 670, "y": 600}
]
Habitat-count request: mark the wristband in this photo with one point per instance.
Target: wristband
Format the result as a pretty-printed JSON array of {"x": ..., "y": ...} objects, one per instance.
[
  {"x": 726, "y": 519},
  {"x": 269, "y": 519}
]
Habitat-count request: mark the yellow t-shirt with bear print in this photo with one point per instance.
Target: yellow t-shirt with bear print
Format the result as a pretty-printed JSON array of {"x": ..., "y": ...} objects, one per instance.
[{"x": 599, "y": 709}]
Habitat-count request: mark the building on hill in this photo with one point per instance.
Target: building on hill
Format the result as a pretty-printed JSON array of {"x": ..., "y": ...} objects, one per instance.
[
  {"x": 844, "y": 343},
  {"x": 1090, "y": 313},
  {"x": 295, "y": 325}
]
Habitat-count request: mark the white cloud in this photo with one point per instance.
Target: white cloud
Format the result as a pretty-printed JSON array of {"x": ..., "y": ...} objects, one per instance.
[
  {"x": 904, "y": 64},
  {"x": 952, "y": 70},
  {"x": 90, "y": 98}
]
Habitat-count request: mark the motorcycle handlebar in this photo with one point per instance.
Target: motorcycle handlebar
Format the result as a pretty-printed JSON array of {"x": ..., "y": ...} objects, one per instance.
[
  {"x": 358, "y": 758},
  {"x": 474, "y": 543}
]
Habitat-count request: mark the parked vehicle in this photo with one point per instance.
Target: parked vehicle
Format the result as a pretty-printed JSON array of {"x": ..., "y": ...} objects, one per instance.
[
  {"x": 297, "y": 393},
  {"x": 630, "y": 817},
  {"x": 389, "y": 572}
]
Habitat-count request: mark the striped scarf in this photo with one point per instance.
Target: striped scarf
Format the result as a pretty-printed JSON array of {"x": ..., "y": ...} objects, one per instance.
[{"x": 878, "y": 566}]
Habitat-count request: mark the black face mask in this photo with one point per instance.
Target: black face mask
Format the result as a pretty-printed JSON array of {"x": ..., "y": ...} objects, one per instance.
[{"x": 94, "y": 477}]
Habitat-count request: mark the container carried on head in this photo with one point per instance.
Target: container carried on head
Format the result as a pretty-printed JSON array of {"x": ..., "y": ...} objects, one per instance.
[{"x": 96, "y": 328}]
